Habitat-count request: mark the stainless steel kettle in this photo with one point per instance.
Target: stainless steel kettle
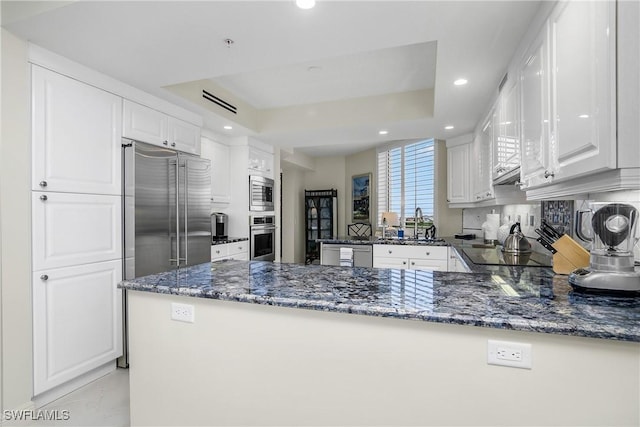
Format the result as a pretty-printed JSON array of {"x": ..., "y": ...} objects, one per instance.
[{"x": 516, "y": 242}]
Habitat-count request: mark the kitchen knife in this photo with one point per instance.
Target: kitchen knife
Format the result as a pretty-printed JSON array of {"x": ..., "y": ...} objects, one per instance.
[
  {"x": 546, "y": 243},
  {"x": 550, "y": 231}
]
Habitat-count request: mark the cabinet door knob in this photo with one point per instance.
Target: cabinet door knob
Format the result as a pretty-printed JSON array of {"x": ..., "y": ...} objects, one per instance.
[
  {"x": 43, "y": 183},
  {"x": 173, "y": 144},
  {"x": 548, "y": 174},
  {"x": 165, "y": 142},
  {"x": 44, "y": 197},
  {"x": 217, "y": 252},
  {"x": 44, "y": 277},
  {"x": 404, "y": 262},
  {"x": 428, "y": 253},
  {"x": 413, "y": 263},
  {"x": 390, "y": 251},
  {"x": 240, "y": 248}
]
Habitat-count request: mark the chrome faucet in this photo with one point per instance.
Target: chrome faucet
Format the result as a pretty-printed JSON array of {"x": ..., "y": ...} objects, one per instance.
[{"x": 417, "y": 215}]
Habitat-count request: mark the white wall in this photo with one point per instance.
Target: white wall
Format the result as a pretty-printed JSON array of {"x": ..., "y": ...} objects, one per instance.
[
  {"x": 250, "y": 364},
  {"x": 15, "y": 224},
  {"x": 292, "y": 214}
]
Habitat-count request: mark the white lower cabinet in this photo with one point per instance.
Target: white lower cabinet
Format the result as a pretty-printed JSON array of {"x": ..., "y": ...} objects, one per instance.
[
  {"x": 236, "y": 250},
  {"x": 411, "y": 257},
  {"x": 72, "y": 229},
  {"x": 77, "y": 321}
]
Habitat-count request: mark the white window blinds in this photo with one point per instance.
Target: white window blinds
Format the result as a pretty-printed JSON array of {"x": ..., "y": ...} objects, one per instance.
[{"x": 406, "y": 179}]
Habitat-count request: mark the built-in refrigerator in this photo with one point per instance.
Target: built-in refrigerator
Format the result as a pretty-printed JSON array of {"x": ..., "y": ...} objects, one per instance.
[
  {"x": 166, "y": 211},
  {"x": 321, "y": 220}
]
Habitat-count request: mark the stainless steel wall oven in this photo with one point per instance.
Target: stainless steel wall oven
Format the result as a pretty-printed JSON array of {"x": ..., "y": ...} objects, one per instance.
[{"x": 262, "y": 238}]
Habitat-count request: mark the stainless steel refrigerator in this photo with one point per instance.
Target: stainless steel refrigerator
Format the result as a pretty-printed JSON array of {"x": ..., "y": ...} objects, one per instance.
[{"x": 166, "y": 211}]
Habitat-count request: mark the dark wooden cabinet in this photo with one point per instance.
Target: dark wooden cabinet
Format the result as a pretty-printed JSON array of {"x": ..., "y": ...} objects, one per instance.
[{"x": 321, "y": 220}]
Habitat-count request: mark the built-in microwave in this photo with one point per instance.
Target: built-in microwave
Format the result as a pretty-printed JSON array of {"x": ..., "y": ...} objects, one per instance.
[{"x": 260, "y": 193}]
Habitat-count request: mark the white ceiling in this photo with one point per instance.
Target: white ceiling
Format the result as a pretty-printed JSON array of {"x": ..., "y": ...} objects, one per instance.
[{"x": 362, "y": 49}]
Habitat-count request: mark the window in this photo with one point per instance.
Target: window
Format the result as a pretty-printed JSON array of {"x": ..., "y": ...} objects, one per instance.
[{"x": 406, "y": 180}]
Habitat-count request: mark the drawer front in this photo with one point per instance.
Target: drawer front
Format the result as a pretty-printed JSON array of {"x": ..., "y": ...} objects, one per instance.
[
  {"x": 386, "y": 262},
  {"x": 219, "y": 251},
  {"x": 411, "y": 251},
  {"x": 428, "y": 264},
  {"x": 238, "y": 248}
]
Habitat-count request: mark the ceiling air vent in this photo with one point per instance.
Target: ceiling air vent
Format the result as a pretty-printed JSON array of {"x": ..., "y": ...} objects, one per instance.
[
  {"x": 219, "y": 102},
  {"x": 502, "y": 82}
]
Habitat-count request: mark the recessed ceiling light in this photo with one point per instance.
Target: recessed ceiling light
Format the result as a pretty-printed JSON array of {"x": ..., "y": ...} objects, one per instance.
[
  {"x": 383, "y": 132},
  {"x": 312, "y": 68},
  {"x": 583, "y": 116},
  {"x": 460, "y": 82},
  {"x": 227, "y": 127},
  {"x": 448, "y": 127},
  {"x": 305, "y": 4}
]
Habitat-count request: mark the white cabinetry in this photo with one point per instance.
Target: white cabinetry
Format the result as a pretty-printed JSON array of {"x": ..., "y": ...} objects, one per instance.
[
  {"x": 260, "y": 163},
  {"x": 483, "y": 188},
  {"x": 568, "y": 89},
  {"x": 535, "y": 113},
  {"x": 236, "y": 250},
  {"x": 412, "y": 257},
  {"x": 76, "y": 229},
  {"x": 145, "y": 124},
  {"x": 77, "y": 321},
  {"x": 459, "y": 174},
  {"x": 583, "y": 87},
  {"x": 506, "y": 137},
  {"x": 72, "y": 229},
  {"x": 218, "y": 154},
  {"x": 76, "y": 135}
]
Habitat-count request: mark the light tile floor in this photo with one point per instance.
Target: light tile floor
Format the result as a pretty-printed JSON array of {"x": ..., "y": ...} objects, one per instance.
[{"x": 104, "y": 402}]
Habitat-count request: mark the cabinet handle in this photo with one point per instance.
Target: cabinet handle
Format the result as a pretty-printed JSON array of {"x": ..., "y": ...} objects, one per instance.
[
  {"x": 217, "y": 252},
  {"x": 428, "y": 253},
  {"x": 43, "y": 183},
  {"x": 404, "y": 262},
  {"x": 413, "y": 263},
  {"x": 44, "y": 277},
  {"x": 548, "y": 174},
  {"x": 165, "y": 142},
  {"x": 173, "y": 144},
  {"x": 390, "y": 251},
  {"x": 44, "y": 197},
  {"x": 239, "y": 248}
]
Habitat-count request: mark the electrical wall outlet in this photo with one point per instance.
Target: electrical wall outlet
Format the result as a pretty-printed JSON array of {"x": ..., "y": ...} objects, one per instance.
[
  {"x": 513, "y": 354},
  {"x": 182, "y": 312}
]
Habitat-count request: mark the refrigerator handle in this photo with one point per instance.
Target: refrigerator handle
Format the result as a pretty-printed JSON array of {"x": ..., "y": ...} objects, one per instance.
[
  {"x": 186, "y": 212},
  {"x": 177, "y": 213}
]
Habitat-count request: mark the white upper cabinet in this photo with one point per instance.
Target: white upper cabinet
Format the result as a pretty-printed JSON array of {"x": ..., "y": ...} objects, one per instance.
[
  {"x": 184, "y": 135},
  {"x": 535, "y": 113},
  {"x": 506, "y": 137},
  {"x": 458, "y": 174},
  {"x": 145, "y": 124},
  {"x": 582, "y": 35},
  {"x": 260, "y": 163},
  {"x": 483, "y": 188},
  {"x": 76, "y": 135},
  {"x": 218, "y": 154}
]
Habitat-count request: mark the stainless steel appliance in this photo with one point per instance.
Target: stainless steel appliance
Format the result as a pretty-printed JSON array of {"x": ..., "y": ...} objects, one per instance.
[
  {"x": 166, "y": 206},
  {"x": 262, "y": 239},
  {"x": 219, "y": 226},
  {"x": 260, "y": 193},
  {"x": 612, "y": 233}
]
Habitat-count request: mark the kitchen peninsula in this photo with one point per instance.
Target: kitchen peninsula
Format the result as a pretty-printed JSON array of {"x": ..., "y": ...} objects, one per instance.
[{"x": 285, "y": 344}]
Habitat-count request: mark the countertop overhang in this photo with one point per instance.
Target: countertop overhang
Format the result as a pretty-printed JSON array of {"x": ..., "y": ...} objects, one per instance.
[{"x": 515, "y": 298}]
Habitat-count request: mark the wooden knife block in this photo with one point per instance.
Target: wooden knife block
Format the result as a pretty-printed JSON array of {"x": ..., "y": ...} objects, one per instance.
[{"x": 570, "y": 255}]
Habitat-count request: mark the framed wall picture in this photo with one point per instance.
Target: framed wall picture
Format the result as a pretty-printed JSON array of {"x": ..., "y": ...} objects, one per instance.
[{"x": 361, "y": 196}]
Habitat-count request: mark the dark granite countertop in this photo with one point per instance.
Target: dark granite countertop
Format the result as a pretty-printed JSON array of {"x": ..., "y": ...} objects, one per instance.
[
  {"x": 351, "y": 240},
  {"x": 504, "y": 297},
  {"x": 228, "y": 240}
]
